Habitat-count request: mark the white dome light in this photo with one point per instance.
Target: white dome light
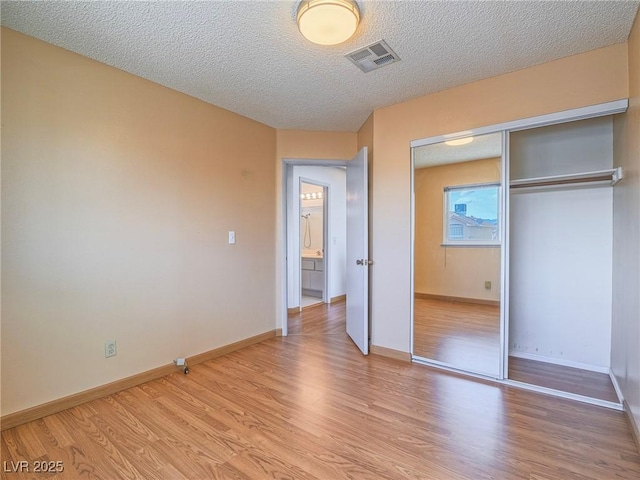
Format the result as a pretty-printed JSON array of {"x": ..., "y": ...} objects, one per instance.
[
  {"x": 459, "y": 141},
  {"x": 328, "y": 22}
]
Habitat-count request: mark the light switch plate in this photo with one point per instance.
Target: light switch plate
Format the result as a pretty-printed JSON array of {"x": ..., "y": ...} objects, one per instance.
[{"x": 232, "y": 237}]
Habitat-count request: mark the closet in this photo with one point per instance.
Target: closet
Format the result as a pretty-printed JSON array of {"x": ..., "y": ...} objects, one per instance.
[
  {"x": 560, "y": 256},
  {"x": 555, "y": 240}
]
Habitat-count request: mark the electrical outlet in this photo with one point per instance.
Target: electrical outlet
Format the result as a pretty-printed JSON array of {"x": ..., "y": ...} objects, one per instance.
[
  {"x": 487, "y": 284},
  {"x": 110, "y": 348}
]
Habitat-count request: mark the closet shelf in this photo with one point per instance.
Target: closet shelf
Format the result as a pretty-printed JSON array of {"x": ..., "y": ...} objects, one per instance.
[{"x": 599, "y": 177}]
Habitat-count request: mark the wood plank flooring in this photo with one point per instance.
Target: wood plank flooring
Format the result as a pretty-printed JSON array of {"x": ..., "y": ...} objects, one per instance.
[
  {"x": 467, "y": 336},
  {"x": 307, "y": 301},
  {"x": 464, "y": 335},
  {"x": 310, "y": 406},
  {"x": 566, "y": 379},
  {"x": 319, "y": 319}
]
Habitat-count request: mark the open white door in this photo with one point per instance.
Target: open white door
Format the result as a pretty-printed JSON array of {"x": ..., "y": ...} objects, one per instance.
[{"x": 358, "y": 251}]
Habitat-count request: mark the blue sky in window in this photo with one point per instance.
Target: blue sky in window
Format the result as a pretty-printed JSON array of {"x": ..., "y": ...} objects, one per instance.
[{"x": 481, "y": 202}]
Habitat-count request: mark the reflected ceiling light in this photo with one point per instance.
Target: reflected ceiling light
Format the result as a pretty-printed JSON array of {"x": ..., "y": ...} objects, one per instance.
[
  {"x": 328, "y": 22},
  {"x": 311, "y": 196},
  {"x": 459, "y": 141}
]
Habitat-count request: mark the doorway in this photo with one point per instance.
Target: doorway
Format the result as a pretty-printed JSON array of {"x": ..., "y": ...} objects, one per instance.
[
  {"x": 313, "y": 228},
  {"x": 346, "y": 264},
  {"x": 315, "y": 233}
]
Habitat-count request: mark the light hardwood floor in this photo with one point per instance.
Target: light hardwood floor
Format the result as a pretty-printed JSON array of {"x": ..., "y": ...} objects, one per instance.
[
  {"x": 567, "y": 379},
  {"x": 319, "y": 319},
  {"x": 467, "y": 336},
  {"x": 464, "y": 335},
  {"x": 311, "y": 406}
]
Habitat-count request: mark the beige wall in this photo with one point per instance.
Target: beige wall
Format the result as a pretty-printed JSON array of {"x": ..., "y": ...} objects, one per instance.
[
  {"x": 316, "y": 145},
  {"x": 117, "y": 196},
  {"x": 451, "y": 271},
  {"x": 365, "y": 136},
  {"x": 590, "y": 78},
  {"x": 625, "y": 344}
]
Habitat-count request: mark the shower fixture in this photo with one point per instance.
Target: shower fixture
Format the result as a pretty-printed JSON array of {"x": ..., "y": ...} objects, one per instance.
[{"x": 306, "y": 241}]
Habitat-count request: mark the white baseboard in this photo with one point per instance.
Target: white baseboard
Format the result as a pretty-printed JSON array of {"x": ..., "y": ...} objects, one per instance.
[
  {"x": 616, "y": 387},
  {"x": 635, "y": 430},
  {"x": 559, "y": 393},
  {"x": 560, "y": 361}
]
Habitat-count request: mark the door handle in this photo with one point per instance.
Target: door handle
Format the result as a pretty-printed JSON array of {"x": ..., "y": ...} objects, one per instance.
[{"x": 364, "y": 262}]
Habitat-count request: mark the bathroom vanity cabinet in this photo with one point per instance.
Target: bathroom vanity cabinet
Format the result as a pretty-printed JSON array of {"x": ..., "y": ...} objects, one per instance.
[{"x": 312, "y": 276}]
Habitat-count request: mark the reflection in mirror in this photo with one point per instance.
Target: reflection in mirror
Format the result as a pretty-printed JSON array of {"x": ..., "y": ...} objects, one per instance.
[{"x": 457, "y": 258}]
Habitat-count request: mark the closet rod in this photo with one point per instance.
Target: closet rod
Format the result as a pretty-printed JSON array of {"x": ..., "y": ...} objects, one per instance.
[{"x": 600, "y": 177}]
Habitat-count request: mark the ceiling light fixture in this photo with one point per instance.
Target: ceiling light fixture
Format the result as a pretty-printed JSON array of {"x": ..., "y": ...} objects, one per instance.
[
  {"x": 311, "y": 196},
  {"x": 328, "y": 22},
  {"x": 459, "y": 141}
]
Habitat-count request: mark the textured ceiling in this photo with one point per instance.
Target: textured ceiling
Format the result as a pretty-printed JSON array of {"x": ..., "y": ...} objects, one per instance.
[
  {"x": 248, "y": 56},
  {"x": 484, "y": 146}
]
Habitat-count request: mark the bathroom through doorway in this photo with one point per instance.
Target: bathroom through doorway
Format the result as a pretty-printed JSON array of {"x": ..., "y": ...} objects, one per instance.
[{"x": 312, "y": 243}]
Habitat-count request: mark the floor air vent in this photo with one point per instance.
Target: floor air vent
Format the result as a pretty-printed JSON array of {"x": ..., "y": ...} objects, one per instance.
[{"x": 373, "y": 56}]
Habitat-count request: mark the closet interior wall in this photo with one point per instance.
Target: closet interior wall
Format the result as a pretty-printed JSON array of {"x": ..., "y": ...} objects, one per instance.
[{"x": 560, "y": 246}]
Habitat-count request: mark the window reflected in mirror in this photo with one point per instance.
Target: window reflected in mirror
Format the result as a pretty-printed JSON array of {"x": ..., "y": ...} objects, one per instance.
[
  {"x": 471, "y": 214},
  {"x": 457, "y": 254}
]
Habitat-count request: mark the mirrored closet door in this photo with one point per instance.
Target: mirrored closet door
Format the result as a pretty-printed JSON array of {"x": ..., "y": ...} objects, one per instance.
[
  {"x": 457, "y": 253},
  {"x": 513, "y": 252}
]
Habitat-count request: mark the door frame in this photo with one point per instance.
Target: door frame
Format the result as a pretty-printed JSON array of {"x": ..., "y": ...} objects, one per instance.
[
  {"x": 326, "y": 247},
  {"x": 287, "y": 163}
]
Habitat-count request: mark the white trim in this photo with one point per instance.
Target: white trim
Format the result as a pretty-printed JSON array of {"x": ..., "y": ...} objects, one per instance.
[
  {"x": 599, "y": 110},
  {"x": 504, "y": 260},
  {"x": 635, "y": 429},
  {"x": 311, "y": 162},
  {"x": 412, "y": 251},
  {"x": 616, "y": 386},
  {"x": 559, "y": 361},
  {"x": 284, "y": 294},
  {"x": 561, "y": 394}
]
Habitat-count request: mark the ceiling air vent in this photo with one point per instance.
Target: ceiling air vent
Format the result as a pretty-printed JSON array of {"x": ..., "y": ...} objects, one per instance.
[{"x": 373, "y": 56}]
